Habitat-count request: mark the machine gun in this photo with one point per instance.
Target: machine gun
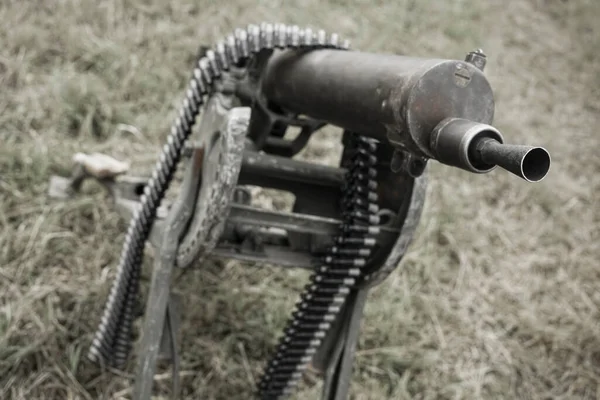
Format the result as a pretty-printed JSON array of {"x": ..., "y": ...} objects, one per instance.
[{"x": 350, "y": 224}]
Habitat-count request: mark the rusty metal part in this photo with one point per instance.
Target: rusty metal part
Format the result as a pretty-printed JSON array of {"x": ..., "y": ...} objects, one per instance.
[
  {"x": 388, "y": 97},
  {"x": 220, "y": 170}
]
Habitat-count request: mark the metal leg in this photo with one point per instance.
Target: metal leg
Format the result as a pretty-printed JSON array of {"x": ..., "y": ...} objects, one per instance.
[
  {"x": 155, "y": 317},
  {"x": 339, "y": 371},
  {"x": 160, "y": 315},
  {"x": 170, "y": 330},
  {"x": 157, "y": 307},
  {"x": 168, "y": 345}
]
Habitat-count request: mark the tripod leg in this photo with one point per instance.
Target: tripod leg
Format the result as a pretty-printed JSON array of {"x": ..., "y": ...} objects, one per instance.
[
  {"x": 171, "y": 325},
  {"x": 339, "y": 371},
  {"x": 156, "y": 310},
  {"x": 168, "y": 345},
  {"x": 171, "y": 328},
  {"x": 159, "y": 294}
]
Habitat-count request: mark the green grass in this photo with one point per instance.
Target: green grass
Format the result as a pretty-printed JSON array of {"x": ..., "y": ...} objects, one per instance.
[{"x": 498, "y": 297}]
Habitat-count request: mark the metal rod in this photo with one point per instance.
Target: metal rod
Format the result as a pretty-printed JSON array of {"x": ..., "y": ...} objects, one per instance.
[{"x": 269, "y": 169}]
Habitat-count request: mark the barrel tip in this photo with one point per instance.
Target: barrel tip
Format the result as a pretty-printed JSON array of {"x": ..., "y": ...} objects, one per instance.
[{"x": 535, "y": 164}]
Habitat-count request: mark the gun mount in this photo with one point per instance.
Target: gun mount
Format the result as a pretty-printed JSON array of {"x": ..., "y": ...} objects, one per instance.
[{"x": 350, "y": 224}]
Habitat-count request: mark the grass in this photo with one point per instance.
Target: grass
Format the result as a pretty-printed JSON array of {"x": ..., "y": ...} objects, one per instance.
[{"x": 498, "y": 297}]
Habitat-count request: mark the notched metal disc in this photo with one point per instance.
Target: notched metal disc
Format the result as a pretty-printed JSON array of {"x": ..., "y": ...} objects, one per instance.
[{"x": 219, "y": 179}]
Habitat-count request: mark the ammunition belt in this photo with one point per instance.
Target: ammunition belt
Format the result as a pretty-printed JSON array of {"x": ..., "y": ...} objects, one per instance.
[
  {"x": 341, "y": 266},
  {"x": 340, "y": 270}
]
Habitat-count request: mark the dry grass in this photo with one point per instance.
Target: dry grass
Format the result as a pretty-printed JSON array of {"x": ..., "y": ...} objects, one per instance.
[{"x": 497, "y": 299}]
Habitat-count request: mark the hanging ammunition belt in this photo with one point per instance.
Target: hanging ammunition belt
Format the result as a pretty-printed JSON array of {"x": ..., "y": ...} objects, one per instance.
[
  {"x": 332, "y": 280},
  {"x": 340, "y": 270}
]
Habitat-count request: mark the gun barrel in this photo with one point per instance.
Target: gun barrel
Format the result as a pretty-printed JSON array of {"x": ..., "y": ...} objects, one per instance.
[
  {"x": 528, "y": 162},
  {"x": 392, "y": 98},
  {"x": 432, "y": 108},
  {"x": 480, "y": 148}
]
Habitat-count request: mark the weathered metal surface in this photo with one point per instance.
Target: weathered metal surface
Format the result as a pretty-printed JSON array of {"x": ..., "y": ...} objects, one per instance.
[
  {"x": 408, "y": 226},
  {"x": 388, "y": 97},
  {"x": 479, "y": 148},
  {"x": 266, "y": 170},
  {"x": 477, "y": 58},
  {"x": 220, "y": 172},
  {"x": 527, "y": 162},
  {"x": 452, "y": 139},
  {"x": 158, "y": 297},
  {"x": 276, "y": 248}
]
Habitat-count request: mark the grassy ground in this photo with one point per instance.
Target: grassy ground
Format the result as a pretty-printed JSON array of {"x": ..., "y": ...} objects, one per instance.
[{"x": 497, "y": 299}]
